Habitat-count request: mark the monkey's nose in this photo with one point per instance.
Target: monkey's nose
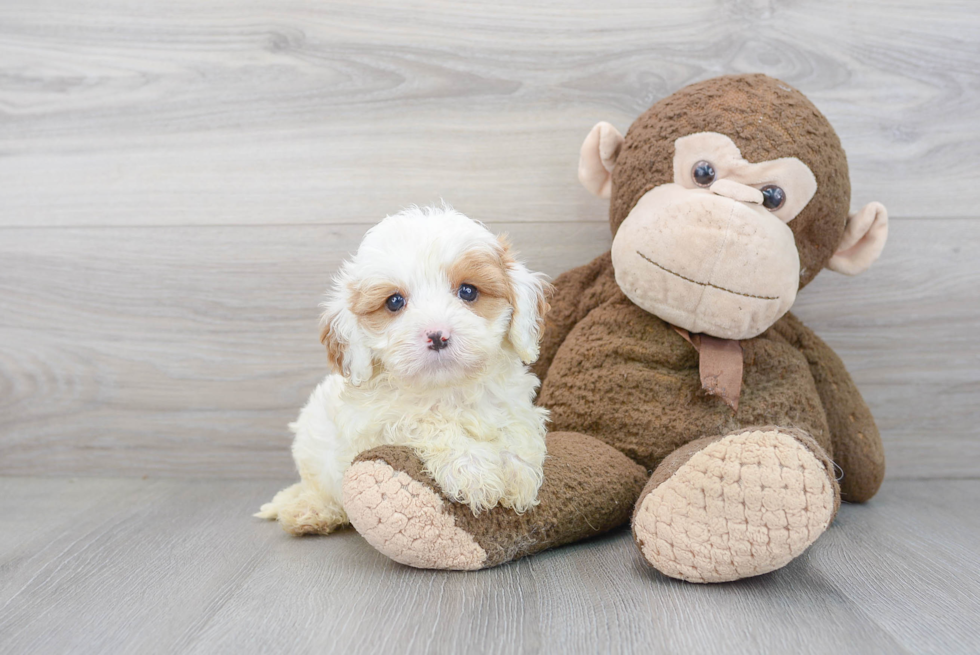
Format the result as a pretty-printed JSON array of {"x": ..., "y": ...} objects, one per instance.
[
  {"x": 736, "y": 191},
  {"x": 436, "y": 341}
]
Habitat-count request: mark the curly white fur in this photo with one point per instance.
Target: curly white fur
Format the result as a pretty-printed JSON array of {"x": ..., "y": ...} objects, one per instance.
[{"x": 467, "y": 408}]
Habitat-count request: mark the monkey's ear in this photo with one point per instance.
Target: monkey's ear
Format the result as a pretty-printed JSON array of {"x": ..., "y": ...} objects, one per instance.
[
  {"x": 864, "y": 239},
  {"x": 598, "y": 157}
]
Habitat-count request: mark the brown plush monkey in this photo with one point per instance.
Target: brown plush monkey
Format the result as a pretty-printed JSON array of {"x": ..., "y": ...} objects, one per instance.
[{"x": 674, "y": 353}]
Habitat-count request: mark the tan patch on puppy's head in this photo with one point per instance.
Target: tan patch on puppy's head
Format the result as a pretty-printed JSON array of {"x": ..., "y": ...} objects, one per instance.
[
  {"x": 487, "y": 271},
  {"x": 367, "y": 303}
]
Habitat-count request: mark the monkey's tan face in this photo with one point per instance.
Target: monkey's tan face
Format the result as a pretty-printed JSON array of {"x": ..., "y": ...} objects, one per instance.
[{"x": 712, "y": 252}]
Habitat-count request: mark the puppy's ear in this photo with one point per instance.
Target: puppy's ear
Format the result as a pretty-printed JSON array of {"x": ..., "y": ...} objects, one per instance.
[
  {"x": 341, "y": 334},
  {"x": 530, "y": 300}
]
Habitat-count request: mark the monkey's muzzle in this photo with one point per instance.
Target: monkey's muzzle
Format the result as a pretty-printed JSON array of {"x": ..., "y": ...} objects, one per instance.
[{"x": 707, "y": 263}]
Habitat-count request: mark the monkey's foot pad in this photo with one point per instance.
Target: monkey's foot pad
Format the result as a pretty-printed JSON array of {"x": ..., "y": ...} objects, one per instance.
[
  {"x": 404, "y": 519},
  {"x": 744, "y": 505}
]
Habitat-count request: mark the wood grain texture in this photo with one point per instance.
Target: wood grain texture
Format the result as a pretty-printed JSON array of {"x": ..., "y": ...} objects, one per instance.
[
  {"x": 165, "y": 566},
  {"x": 177, "y": 351},
  {"x": 178, "y": 112},
  {"x": 184, "y": 351}
]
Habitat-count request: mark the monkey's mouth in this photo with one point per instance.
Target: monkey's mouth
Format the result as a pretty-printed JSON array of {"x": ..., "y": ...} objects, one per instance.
[{"x": 705, "y": 284}]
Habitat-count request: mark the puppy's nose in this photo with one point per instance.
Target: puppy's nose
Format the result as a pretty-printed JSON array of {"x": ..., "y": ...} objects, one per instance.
[{"x": 437, "y": 341}]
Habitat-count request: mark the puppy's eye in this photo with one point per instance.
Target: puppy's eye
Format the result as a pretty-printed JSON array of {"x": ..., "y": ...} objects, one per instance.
[
  {"x": 773, "y": 197},
  {"x": 467, "y": 292},
  {"x": 395, "y": 302},
  {"x": 703, "y": 173}
]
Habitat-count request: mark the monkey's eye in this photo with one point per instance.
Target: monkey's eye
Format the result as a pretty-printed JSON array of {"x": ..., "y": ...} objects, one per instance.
[
  {"x": 703, "y": 173},
  {"x": 773, "y": 197},
  {"x": 467, "y": 292},
  {"x": 395, "y": 302}
]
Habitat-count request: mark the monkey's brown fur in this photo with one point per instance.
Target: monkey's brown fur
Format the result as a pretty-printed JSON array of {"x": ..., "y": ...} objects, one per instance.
[{"x": 620, "y": 375}]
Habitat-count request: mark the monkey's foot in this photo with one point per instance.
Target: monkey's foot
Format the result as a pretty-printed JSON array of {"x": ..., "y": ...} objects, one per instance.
[
  {"x": 725, "y": 508},
  {"x": 406, "y": 519},
  {"x": 398, "y": 508}
]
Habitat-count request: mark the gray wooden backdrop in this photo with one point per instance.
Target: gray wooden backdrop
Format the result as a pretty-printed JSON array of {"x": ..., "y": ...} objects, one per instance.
[{"x": 180, "y": 179}]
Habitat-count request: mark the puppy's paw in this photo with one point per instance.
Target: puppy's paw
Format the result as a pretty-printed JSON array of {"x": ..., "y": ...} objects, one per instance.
[
  {"x": 522, "y": 480},
  {"x": 312, "y": 517},
  {"x": 304, "y": 511},
  {"x": 474, "y": 477}
]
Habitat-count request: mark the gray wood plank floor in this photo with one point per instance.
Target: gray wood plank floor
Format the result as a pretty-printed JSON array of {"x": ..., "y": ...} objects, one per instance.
[{"x": 169, "y": 566}]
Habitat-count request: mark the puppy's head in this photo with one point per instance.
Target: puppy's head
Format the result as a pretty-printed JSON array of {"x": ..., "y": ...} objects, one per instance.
[{"x": 431, "y": 297}]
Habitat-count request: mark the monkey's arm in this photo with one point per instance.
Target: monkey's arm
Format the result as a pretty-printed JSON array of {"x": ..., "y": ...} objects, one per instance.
[
  {"x": 576, "y": 293},
  {"x": 854, "y": 435}
]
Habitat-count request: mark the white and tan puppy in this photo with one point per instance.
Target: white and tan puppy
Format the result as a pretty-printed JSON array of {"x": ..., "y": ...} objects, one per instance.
[{"x": 429, "y": 330}]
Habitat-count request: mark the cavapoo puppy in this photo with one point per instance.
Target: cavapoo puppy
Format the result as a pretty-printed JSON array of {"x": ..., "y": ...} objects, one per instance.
[{"x": 429, "y": 330}]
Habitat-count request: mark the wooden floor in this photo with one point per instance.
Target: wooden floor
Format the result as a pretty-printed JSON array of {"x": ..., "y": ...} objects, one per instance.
[
  {"x": 167, "y": 566},
  {"x": 180, "y": 178}
]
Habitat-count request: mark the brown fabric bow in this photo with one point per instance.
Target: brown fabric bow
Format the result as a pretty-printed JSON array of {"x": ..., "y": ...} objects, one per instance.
[{"x": 720, "y": 365}]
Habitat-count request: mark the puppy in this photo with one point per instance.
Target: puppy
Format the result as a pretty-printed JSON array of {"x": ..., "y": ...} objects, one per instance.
[{"x": 429, "y": 330}]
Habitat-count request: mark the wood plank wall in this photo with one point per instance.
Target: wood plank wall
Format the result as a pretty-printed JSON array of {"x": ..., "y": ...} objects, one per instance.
[{"x": 179, "y": 180}]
